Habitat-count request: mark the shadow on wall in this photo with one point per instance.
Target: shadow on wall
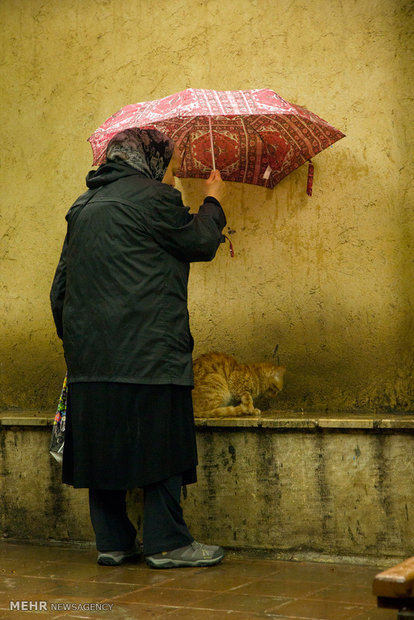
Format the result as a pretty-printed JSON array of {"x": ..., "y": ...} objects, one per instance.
[{"x": 331, "y": 287}]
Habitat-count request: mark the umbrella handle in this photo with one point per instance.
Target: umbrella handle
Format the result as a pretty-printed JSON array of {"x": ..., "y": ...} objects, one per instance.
[
  {"x": 212, "y": 145},
  {"x": 310, "y": 179},
  {"x": 231, "y": 246}
]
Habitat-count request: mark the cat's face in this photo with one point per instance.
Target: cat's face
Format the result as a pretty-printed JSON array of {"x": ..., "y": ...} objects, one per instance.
[{"x": 276, "y": 381}]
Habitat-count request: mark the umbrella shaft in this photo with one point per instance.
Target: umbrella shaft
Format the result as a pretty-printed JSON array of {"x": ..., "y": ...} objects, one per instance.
[{"x": 212, "y": 145}]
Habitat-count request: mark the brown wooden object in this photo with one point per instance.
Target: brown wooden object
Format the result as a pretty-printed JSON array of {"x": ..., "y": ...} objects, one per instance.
[{"x": 394, "y": 587}]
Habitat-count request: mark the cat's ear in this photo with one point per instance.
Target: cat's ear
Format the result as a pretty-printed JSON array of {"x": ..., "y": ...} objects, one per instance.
[{"x": 278, "y": 376}]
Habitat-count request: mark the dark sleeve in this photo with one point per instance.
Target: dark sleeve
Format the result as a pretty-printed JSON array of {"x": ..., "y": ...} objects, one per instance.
[
  {"x": 188, "y": 237},
  {"x": 57, "y": 293}
]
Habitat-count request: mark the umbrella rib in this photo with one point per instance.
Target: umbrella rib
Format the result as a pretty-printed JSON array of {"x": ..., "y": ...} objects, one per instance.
[
  {"x": 179, "y": 129},
  {"x": 192, "y": 121},
  {"x": 290, "y": 135},
  {"x": 283, "y": 129},
  {"x": 207, "y": 102},
  {"x": 246, "y": 102},
  {"x": 218, "y": 100},
  {"x": 187, "y": 142},
  {"x": 140, "y": 112},
  {"x": 313, "y": 133},
  {"x": 257, "y": 132},
  {"x": 212, "y": 145},
  {"x": 263, "y": 142},
  {"x": 247, "y": 149}
]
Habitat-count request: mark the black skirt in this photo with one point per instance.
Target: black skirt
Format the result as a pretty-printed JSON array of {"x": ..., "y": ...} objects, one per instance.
[{"x": 126, "y": 435}]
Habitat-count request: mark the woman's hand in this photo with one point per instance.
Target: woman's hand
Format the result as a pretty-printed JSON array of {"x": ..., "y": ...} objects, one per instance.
[{"x": 214, "y": 186}]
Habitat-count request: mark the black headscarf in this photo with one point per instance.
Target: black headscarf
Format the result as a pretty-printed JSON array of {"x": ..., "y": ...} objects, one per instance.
[{"x": 147, "y": 150}]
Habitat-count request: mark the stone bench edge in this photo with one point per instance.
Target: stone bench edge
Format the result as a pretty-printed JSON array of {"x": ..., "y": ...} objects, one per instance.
[{"x": 281, "y": 420}]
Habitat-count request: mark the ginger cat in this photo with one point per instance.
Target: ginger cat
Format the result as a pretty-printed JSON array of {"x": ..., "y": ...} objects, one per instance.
[{"x": 219, "y": 381}]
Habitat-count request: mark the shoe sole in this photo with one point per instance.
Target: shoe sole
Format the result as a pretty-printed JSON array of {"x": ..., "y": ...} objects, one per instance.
[
  {"x": 107, "y": 560},
  {"x": 171, "y": 563}
]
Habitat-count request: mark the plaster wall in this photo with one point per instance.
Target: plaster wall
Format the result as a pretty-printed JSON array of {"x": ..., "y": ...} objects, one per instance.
[{"x": 328, "y": 278}]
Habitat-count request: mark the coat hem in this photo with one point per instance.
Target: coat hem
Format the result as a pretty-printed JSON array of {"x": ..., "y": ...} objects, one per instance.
[
  {"x": 191, "y": 478},
  {"x": 163, "y": 380}
]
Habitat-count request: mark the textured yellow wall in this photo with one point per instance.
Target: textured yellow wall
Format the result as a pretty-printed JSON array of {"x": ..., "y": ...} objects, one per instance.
[{"x": 328, "y": 278}]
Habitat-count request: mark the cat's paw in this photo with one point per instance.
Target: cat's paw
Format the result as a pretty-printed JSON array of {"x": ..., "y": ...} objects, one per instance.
[
  {"x": 248, "y": 410},
  {"x": 247, "y": 400}
]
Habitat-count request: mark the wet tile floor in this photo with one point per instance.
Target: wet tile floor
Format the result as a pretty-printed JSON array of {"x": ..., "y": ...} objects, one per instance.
[{"x": 67, "y": 583}]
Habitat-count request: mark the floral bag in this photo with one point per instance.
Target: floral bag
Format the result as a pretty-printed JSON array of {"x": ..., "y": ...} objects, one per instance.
[{"x": 58, "y": 431}]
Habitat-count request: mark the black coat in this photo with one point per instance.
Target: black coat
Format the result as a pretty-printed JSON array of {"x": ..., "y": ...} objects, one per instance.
[{"x": 119, "y": 296}]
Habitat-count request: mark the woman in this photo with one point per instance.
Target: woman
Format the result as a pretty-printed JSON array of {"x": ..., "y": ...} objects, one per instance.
[{"x": 119, "y": 301}]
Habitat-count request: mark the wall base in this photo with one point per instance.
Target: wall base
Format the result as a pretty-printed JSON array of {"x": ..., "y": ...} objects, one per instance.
[{"x": 290, "y": 486}]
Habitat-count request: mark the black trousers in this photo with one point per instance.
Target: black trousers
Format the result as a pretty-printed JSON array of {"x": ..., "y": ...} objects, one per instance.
[{"x": 164, "y": 526}]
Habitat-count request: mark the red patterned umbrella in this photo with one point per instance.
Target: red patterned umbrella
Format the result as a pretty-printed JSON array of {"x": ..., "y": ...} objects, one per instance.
[{"x": 251, "y": 136}]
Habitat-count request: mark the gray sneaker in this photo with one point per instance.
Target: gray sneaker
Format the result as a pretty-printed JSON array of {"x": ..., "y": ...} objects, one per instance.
[
  {"x": 115, "y": 558},
  {"x": 195, "y": 554}
]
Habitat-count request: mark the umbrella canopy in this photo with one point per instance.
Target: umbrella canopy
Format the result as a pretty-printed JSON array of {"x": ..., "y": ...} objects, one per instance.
[{"x": 251, "y": 136}]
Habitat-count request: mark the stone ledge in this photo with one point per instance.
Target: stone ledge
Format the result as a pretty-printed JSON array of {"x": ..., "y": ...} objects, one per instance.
[
  {"x": 288, "y": 482},
  {"x": 26, "y": 418},
  {"x": 277, "y": 420}
]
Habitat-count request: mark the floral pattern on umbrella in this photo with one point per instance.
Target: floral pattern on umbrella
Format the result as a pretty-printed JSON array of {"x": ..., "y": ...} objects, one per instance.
[{"x": 257, "y": 136}]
